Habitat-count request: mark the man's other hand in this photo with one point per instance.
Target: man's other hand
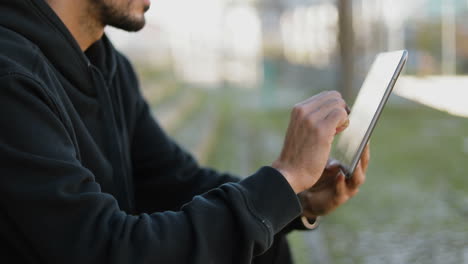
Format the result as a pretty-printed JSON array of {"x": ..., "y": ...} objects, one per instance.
[
  {"x": 332, "y": 189},
  {"x": 312, "y": 127}
]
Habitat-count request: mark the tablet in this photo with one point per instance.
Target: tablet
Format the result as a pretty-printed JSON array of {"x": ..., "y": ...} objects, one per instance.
[{"x": 366, "y": 110}]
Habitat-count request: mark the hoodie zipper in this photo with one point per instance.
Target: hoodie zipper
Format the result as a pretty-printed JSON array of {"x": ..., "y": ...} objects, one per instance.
[{"x": 114, "y": 143}]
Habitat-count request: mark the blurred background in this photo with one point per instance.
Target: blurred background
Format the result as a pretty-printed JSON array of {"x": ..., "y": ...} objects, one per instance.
[{"x": 222, "y": 76}]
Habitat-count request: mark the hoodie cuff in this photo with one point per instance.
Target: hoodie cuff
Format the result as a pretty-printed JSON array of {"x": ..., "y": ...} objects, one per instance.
[{"x": 272, "y": 198}]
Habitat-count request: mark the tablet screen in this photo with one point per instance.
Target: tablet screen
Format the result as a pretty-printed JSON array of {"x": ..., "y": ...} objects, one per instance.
[{"x": 367, "y": 108}]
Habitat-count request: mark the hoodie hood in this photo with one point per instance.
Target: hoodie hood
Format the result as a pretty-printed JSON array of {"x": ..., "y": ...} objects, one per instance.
[{"x": 36, "y": 21}]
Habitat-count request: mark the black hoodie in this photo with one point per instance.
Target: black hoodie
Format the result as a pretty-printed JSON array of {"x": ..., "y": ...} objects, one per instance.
[{"x": 88, "y": 176}]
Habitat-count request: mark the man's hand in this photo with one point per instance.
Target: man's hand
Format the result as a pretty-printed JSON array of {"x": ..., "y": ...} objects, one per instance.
[
  {"x": 333, "y": 189},
  {"x": 312, "y": 127}
]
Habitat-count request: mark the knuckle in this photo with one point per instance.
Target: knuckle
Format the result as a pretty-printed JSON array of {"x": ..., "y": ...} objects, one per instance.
[
  {"x": 333, "y": 114},
  {"x": 298, "y": 110},
  {"x": 341, "y": 102},
  {"x": 333, "y": 101},
  {"x": 339, "y": 113},
  {"x": 335, "y": 93}
]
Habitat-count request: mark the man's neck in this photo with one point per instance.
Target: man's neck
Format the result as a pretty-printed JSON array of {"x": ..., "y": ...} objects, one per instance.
[{"x": 76, "y": 16}]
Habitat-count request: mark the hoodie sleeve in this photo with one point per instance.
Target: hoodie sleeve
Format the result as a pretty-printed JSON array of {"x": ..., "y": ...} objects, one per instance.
[{"x": 53, "y": 210}]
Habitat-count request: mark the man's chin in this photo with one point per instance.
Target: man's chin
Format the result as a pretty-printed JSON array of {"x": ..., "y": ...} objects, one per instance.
[{"x": 130, "y": 25}]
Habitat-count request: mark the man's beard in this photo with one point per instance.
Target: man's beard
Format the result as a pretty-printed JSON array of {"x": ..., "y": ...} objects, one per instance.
[{"x": 117, "y": 17}]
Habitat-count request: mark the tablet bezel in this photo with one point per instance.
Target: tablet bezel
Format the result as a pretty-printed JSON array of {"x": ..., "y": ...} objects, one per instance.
[{"x": 348, "y": 172}]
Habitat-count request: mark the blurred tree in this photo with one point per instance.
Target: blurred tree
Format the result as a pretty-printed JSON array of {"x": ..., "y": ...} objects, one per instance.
[
  {"x": 449, "y": 40},
  {"x": 346, "y": 40}
]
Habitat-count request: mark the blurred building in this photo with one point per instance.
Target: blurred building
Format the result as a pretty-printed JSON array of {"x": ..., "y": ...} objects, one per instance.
[
  {"x": 207, "y": 42},
  {"x": 211, "y": 42}
]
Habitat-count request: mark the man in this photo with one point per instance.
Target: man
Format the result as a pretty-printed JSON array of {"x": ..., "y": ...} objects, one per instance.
[{"x": 87, "y": 175}]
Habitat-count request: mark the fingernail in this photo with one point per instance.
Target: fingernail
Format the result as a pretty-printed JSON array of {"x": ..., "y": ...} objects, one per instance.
[{"x": 348, "y": 110}]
